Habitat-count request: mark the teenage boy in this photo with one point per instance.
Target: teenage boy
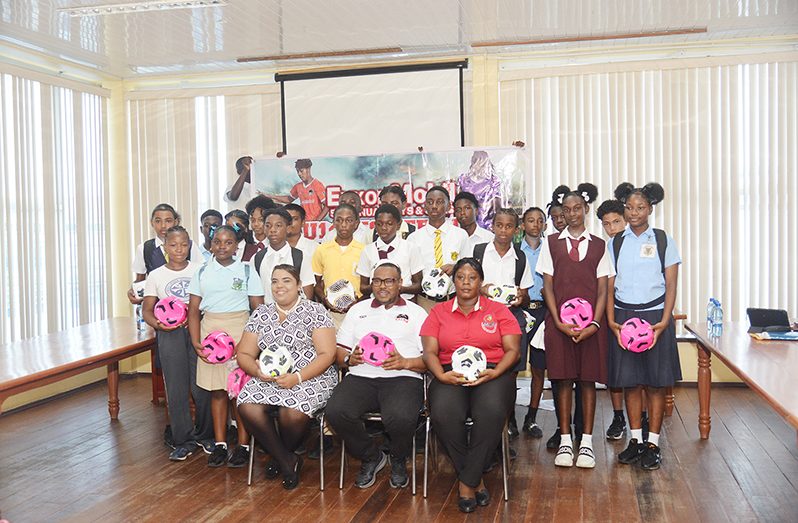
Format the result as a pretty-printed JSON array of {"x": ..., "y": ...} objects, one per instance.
[{"x": 466, "y": 209}]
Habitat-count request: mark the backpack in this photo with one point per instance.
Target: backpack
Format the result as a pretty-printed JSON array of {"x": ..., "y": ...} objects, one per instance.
[
  {"x": 154, "y": 258},
  {"x": 296, "y": 259},
  {"x": 520, "y": 260},
  {"x": 662, "y": 245}
]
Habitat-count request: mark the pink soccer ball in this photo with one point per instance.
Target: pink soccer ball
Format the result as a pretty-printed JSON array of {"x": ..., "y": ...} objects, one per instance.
[
  {"x": 637, "y": 335},
  {"x": 376, "y": 348},
  {"x": 171, "y": 311},
  {"x": 218, "y": 347},
  {"x": 235, "y": 382},
  {"x": 577, "y": 311}
]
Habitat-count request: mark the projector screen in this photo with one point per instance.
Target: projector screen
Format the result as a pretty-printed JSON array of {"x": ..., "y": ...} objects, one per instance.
[{"x": 375, "y": 113}]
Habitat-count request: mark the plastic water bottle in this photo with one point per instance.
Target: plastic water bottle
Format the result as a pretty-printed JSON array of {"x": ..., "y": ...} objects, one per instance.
[
  {"x": 710, "y": 312},
  {"x": 717, "y": 320},
  {"x": 140, "y": 323}
]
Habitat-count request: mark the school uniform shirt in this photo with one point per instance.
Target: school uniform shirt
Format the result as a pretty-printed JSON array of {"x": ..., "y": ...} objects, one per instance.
[
  {"x": 399, "y": 252},
  {"x": 639, "y": 278},
  {"x": 246, "y": 195},
  {"x": 206, "y": 254},
  {"x": 480, "y": 235},
  {"x": 282, "y": 256},
  {"x": 500, "y": 270},
  {"x": 483, "y": 327},
  {"x": 532, "y": 255},
  {"x": 545, "y": 263},
  {"x": 312, "y": 197},
  {"x": 400, "y": 322},
  {"x": 333, "y": 262},
  {"x": 363, "y": 234},
  {"x": 225, "y": 289},
  {"x": 453, "y": 241},
  {"x": 139, "y": 267},
  {"x": 163, "y": 281}
]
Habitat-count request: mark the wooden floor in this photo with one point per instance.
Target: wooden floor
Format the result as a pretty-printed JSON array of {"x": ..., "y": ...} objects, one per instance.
[{"x": 64, "y": 460}]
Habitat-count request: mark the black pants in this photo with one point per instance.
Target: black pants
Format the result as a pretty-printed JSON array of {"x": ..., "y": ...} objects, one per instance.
[
  {"x": 398, "y": 400},
  {"x": 487, "y": 405}
]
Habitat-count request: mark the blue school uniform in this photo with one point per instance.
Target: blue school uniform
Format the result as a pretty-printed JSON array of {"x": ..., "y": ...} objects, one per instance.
[
  {"x": 537, "y": 356},
  {"x": 639, "y": 293},
  {"x": 225, "y": 289}
]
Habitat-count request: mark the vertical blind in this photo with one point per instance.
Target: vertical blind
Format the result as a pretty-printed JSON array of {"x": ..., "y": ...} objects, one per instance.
[
  {"x": 52, "y": 208},
  {"x": 721, "y": 139}
]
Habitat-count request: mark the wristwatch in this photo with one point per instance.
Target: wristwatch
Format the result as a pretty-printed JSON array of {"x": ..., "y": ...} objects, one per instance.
[{"x": 346, "y": 360}]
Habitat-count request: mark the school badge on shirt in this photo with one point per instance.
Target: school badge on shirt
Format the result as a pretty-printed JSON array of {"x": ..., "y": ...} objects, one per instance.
[
  {"x": 238, "y": 284},
  {"x": 648, "y": 250},
  {"x": 489, "y": 324},
  {"x": 455, "y": 255}
]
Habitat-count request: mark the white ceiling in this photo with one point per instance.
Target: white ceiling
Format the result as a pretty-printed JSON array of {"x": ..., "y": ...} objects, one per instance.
[{"x": 211, "y": 39}]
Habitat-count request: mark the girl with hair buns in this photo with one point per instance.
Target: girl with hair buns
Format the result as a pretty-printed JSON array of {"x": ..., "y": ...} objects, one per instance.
[
  {"x": 646, "y": 261},
  {"x": 575, "y": 264}
]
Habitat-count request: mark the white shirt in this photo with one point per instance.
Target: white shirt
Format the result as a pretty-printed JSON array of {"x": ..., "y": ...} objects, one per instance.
[
  {"x": 500, "y": 270},
  {"x": 245, "y": 196},
  {"x": 546, "y": 264},
  {"x": 453, "y": 240},
  {"x": 481, "y": 235},
  {"x": 403, "y": 255},
  {"x": 308, "y": 247},
  {"x": 273, "y": 258},
  {"x": 163, "y": 281},
  {"x": 139, "y": 267},
  {"x": 401, "y": 323},
  {"x": 363, "y": 234}
]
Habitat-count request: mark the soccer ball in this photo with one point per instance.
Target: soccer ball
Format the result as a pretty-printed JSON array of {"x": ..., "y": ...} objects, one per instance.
[
  {"x": 637, "y": 335},
  {"x": 376, "y": 348},
  {"x": 436, "y": 283},
  {"x": 138, "y": 288},
  {"x": 170, "y": 311},
  {"x": 235, "y": 382},
  {"x": 505, "y": 294},
  {"x": 576, "y": 311},
  {"x": 341, "y": 294},
  {"x": 276, "y": 361},
  {"x": 469, "y": 361},
  {"x": 218, "y": 347}
]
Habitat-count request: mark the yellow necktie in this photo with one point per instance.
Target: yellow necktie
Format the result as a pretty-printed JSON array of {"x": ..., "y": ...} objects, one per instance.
[{"x": 438, "y": 249}]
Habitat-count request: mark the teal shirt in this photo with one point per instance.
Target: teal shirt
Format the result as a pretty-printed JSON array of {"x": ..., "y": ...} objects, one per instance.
[{"x": 225, "y": 289}]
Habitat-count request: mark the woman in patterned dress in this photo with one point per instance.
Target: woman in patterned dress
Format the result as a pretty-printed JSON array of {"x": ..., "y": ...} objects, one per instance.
[{"x": 306, "y": 329}]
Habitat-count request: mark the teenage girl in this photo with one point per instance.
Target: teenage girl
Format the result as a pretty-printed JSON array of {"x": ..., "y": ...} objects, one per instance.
[
  {"x": 575, "y": 264},
  {"x": 178, "y": 359},
  {"x": 644, "y": 287},
  {"x": 239, "y": 221},
  {"x": 223, "y": 292}
]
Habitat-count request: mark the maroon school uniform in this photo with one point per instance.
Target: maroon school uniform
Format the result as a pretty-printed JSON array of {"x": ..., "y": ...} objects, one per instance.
[{"x": 566, "y": 360}]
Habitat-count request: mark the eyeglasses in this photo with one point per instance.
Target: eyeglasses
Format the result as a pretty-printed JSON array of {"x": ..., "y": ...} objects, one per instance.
[{"x": 388, "y": 282}]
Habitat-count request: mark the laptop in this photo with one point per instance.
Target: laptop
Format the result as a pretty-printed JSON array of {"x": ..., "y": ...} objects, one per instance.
[{"x": 768, "y": 320}]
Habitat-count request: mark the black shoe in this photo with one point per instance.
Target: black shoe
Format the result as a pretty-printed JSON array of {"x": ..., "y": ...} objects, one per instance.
[
  {"x": 512, "y": 428},
  {"x": 291, "y": 479},
  {"x": 632, "y": 453},
  {"x": 531, "y": 428},
  {"x": 218, "y": 457},
  {"x": 272, "y": 469},
  {"x": 483, "y": 497},
  {"x": 467, "y": 505},
  {"x": 553, "y": 442},
  {"x": 168, "y": 440},
  {"x": 368, "y": 471},
  {"x": 617, "y": 428},
  {"x": 651, "y": 458},
  {"x": 399, "y": 478},
  {"x": 239, "y": 458},
  {"x": 645, "y": 426},
  {"x": 328, "y": 445}
]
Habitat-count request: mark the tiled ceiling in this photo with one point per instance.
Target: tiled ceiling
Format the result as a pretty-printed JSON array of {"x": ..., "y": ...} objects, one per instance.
[{"x": 211, "y": 39}]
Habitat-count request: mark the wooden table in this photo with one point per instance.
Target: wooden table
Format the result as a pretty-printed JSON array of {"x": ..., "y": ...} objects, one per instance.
[
  {"x": 770, "y": 368},
  {"x": 33, "y": 363}
]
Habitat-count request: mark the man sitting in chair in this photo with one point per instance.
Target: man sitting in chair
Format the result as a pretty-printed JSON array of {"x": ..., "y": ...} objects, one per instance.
[{"x": 379, "y": 344}]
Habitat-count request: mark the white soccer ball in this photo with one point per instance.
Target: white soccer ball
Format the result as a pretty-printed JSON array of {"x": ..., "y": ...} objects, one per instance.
[
  {"x": 436, "y": 283},
  {"x": 505, "y": 294},
  {"x": 469, "y": 361},
  {"x": 276, "y": 361},
  {"x": 341, "y": 294}
]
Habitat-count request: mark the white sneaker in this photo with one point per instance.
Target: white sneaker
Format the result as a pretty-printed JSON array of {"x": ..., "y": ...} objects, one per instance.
[
  {"x": 565, "y": 456},
  {"x": 586, "y": 459}
]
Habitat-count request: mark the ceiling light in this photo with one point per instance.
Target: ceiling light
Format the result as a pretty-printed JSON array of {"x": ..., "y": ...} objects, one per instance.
[{"x": 139, "y": 7}]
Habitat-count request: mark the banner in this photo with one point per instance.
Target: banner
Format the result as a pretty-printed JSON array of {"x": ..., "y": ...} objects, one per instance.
[{"x": 495, "y": 175}]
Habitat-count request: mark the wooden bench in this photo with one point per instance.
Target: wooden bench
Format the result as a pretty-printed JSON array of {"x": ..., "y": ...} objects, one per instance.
[
  {"x": 769, "y": 368},
  {"x": 33, "y": 363}
]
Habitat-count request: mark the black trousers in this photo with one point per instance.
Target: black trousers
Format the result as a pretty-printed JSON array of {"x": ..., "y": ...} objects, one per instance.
[
  {"x": 398, "y": 400},
  {"x": 487, "y": 405}
]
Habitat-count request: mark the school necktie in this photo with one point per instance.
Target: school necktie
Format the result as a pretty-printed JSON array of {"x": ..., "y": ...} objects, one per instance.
[
  {"x": 574, "y": 252},
  {"x": 437, "y": 246},
  {"x": 260, "y": 246},
  {"x": 384, "y": 254}
]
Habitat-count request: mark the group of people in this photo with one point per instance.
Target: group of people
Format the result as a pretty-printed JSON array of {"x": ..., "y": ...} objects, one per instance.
[{"x": 259, "y": 279}]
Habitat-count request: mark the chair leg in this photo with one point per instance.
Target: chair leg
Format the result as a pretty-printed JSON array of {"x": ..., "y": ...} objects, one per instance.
[
  {"x": 426, "y": 455},
  {"x": 343, "y": 458},
  {"x": 505, "y": 461},
  {"x": 321, "y": 452},
  {"x": 251, "y": 459},
  {"x": 413, "y": 463}
]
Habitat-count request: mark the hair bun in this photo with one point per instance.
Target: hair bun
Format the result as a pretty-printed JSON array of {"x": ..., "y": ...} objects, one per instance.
[
  {"x": 588, "y": 191},
  {"x": 623, "y": 191},
  {"x": 654, "y": 192},
  {"x": 559, "y": 193}
]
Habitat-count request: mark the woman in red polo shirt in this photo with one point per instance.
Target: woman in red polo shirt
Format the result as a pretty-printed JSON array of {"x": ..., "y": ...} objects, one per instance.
[{"x": 470, "y": 319}]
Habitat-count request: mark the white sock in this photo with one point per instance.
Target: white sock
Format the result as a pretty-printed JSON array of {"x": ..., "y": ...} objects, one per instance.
[
  {"x": 222, "y": 443},
  {"x": 653, "y": 437},
  {"x": 565, "y": 440},
  {"x": 587, "y": 441},
  {"x": 638, "y": 435}
]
